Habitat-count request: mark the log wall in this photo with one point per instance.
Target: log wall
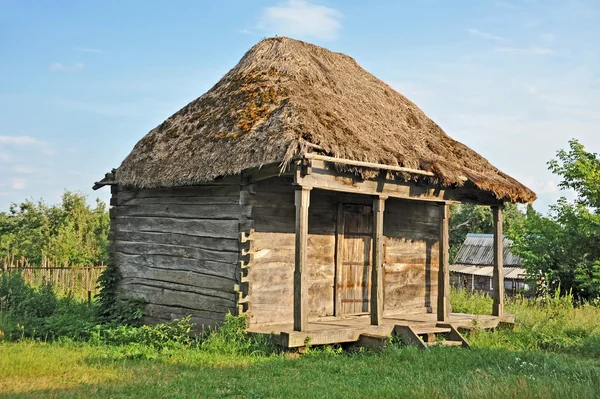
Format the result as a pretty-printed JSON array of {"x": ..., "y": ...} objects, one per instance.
[
  {"x": 270, "y": 275},
  {"x": 178, "y": 249},
  {"x": 411, "y": 230},
  {"x": 411, "y": 253}
]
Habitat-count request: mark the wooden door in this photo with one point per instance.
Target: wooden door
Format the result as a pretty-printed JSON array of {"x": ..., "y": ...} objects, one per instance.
[{"x": 353, "y": 288}]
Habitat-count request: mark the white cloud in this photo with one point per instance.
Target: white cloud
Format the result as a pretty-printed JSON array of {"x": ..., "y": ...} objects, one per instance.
[
  {"x": 549, "y": 37},
  {"x": 18, "y": 184},
  {"x": 246, "y": 32},
  {"x": 22, "y": 169},
  {"x": 19, "y": 140},
  {"x": 483, "y": 35},
  {"x": 59, "y": 67},
  {"x": 89, "y": 50},
  {"x": 23, "y": 141},
  {"x": 526, "y": 51},
  {"x": 529, "y": 88},
  {"x": 299, "y": 18}
]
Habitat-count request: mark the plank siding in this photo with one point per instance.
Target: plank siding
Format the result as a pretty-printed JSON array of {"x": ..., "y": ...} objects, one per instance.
[
  {"x": 411, "y": 236},
  {"x": 411, "y": 230},
  {"x": 179, "y": 250},
  {"x": 271, "y": 268}
]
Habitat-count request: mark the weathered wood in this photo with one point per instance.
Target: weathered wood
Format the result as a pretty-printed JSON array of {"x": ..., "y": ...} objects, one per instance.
[
  {"x": 295, "y": 339},
  {"x": 201, "y": 228},
  {"x": 498, "y": 273},
  {"x": 186, "y": 240},
  {"x": 214, "y": 296},
  {"x": 185, "y": 277},
  {"x": 325, "y": 178},
  {"x": 371, "y": 165},
  {"x": 130, "y": 200},
  {"x": 139, "y": 248},
  {"x": 186, "y": 211},
  {"x": 301, "y": 265},
  {"x": 125, "y": 194},
  {"x": 339, "y": 237},
  {"x": 183, "y": 296},
  {"x": 377, "y": 264},
  {"x": 355, "y": 284},
  {"x": 409, "y": 337},
  {"x": 443, "y": 309},
  {"x": 212, "y": 268}
]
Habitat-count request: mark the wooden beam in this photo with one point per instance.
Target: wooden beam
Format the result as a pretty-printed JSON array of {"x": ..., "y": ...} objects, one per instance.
[
  {"x": 322, "y": 177},
  {"x": 371, "y": 165},
  {"x": 443, "y": 309},
  {"x": 301, "y": 262},
  {"x": 339, "y": 246},
  {"x": 498, "y": 276},
  {"x": 377, "y": 264}
]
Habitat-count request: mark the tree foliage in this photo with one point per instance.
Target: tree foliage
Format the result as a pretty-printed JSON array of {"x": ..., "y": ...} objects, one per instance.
[
  {"x": 71, "y": 232},
  {"x": 467, "y": 218},
  {"x": 565, "y": 245}
]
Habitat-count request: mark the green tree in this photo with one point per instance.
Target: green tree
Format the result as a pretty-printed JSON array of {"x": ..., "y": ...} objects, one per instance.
[
  {"x": 565, "y": 245},
  {"x": 71, "y": 232}
]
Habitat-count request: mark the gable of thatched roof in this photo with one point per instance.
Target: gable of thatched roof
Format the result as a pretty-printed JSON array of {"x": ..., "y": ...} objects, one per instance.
[{"x": 285, "y": 93}]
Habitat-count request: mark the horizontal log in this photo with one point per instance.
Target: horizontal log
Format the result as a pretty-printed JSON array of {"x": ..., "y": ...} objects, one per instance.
[
  {"x": 215, "y": 244},
  {"x": 166, "y": 313},
  {"x": 210, "y": 190},
  {"x": 201, "y": 228},
  {"x": 176, "y": 295},
  {"x": 188, "y": 211},
  {"x": 139, "y": 248},
  {"x": 325, "y": 178},
  {"x": 263, "y": 240},
  {"x": 218, "y": 269},
  {"x": 178, "y": 200},
  {"x": 184, "y": 277}
]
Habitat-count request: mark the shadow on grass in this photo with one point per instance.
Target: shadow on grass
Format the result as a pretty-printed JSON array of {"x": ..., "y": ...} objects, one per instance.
[{"x": 394, "y": 372}]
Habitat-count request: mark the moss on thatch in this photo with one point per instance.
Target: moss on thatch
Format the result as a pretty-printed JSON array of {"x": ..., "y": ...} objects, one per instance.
[{"x": 285, "y": 93}]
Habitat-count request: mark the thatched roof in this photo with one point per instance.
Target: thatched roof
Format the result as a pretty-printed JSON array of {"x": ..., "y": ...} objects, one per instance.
[{"x": 285, "y": 93}]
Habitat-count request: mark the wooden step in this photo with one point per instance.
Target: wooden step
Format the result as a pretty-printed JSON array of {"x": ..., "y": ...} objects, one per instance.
[
  {"x": 431, "y": 330},
  {"x": 444, "y": 343}
]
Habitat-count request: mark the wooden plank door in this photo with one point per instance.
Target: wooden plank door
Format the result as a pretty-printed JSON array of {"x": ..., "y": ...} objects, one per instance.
[{"x": 353, "y": 288}]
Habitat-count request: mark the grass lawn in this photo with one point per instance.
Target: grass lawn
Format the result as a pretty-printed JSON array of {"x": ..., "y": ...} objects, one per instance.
[
  {"x": 33, "y": 370},
  {"x": 553, "y": 353}
]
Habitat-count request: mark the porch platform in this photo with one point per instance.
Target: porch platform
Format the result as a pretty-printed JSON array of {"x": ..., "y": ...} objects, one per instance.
[{"x": 337, "y": 330}]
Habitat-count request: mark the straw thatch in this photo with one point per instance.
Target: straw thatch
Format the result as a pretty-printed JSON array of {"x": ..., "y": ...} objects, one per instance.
[{"x": 285, "y": 93}]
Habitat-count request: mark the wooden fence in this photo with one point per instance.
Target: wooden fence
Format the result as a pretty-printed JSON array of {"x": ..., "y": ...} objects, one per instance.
[{"x": 78, "y": 281}]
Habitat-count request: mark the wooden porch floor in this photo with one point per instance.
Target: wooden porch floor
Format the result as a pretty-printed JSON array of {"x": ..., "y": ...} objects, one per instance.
[{"x": 338, "y": 330}]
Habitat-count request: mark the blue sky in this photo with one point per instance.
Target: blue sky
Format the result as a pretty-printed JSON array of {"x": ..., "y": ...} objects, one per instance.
[{"x": 82, "y": 81}]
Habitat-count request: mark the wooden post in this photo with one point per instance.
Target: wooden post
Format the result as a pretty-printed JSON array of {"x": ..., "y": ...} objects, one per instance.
[
  {"x": 498, "y": 277},
  {"x": 301, "y": 263},
  {"x": 377, "y": 263},
  {"x": 443, "y": 308}
]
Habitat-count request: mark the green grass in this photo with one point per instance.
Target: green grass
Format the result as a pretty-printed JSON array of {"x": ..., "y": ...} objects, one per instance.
[
  {"x": 554, "y": 324},
  {"x": 554, "y": 352},
  {"x": 32, "y": 370}
]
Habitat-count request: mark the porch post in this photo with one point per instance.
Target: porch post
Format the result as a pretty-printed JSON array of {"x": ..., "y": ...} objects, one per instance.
[
  {"x": 301, "y": 264},
  {"x": 443, "y": 308},
  {"x": 377, "y": 268},
  {"x": 498, "y": 277}
]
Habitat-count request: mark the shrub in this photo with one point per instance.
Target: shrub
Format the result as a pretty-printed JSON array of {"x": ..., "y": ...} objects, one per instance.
[{"x": 231, "y": 338}]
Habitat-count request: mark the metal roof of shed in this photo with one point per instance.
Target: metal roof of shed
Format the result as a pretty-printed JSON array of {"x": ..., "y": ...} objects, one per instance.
[{"x": 478, "y": 250}]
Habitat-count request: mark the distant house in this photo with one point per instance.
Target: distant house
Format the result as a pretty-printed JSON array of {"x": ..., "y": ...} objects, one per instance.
[{"x": 473, "y": 266}]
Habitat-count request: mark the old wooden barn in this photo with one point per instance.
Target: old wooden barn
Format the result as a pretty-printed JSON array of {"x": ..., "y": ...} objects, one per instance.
[{"x": 306, "y": 194}]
